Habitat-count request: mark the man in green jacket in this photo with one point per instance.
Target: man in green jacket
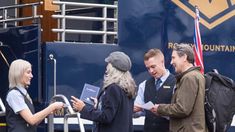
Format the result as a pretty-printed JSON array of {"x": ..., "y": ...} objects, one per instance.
[{"x": 186, "y": 110}]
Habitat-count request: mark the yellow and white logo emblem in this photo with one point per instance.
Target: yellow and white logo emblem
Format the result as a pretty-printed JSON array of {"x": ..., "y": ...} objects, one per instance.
[{"x": 213, "y": 12}]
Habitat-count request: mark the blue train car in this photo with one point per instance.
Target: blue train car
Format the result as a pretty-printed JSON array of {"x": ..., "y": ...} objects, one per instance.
[{"x": 141, "y": 25}]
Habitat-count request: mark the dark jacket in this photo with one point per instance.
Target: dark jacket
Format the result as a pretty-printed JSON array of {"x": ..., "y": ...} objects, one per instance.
[
  {"x": 15, "y": 123},
  {"x": 155, "y": 123},
  {"x": 115, "y": 112},
  {"x": 186, "y": 110}
]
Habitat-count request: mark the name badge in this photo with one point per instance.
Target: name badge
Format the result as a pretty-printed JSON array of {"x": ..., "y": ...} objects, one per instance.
[{"x": 166, "y": 86}]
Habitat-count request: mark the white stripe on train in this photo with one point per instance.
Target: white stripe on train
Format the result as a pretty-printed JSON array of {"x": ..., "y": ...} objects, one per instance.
[{"x": 136, "y": 121}]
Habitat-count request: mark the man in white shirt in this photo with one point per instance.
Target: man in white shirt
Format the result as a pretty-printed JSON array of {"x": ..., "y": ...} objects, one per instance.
[{"x": 158, "y": 88}]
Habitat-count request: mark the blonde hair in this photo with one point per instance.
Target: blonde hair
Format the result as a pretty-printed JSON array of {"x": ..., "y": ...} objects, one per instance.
[
  {"x": 122, "y": 79},
  {"x": 152, "y": 53},
  {"x": 16, "y": 71}
]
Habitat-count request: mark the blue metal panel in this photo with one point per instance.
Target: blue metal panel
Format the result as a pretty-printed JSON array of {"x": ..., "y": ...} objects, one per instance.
[
  {"x": 21, "y": 42},
  {"x": 77, "y": 64}
]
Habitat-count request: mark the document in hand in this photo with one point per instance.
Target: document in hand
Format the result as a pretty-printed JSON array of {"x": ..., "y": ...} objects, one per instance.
[
  {"x": 148, "y": 106},
  {"x": 88, "y": 92}
]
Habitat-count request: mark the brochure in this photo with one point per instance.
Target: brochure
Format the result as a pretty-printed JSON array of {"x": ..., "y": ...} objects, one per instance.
[{"x": 88, "y": 92}]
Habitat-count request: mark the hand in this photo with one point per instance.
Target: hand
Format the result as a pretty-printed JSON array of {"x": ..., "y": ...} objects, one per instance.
[
  {"x": 95, "y": 101},
  {"x": 57, "y": 105},
  {"x": 77, "y": 103},
  {"x": 137, "y": 108},
  {"x": 154, "y": 109}
]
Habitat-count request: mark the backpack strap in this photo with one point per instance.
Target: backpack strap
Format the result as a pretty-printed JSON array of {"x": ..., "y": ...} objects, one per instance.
[
  {"x": 228, "y": 82},
  {"x": 208, "y": 79}
]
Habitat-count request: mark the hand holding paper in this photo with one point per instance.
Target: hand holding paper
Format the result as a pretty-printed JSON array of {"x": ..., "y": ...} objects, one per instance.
[
  {"x": 148, "y": 106},
  {"x": 137, "y": 108}
]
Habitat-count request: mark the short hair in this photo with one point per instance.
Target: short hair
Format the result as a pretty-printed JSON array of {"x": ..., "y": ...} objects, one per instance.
[
  {"x": 152, "y": 53},
  {"x": 16, "y": 71},
  {"x": 185, "y": 49}
]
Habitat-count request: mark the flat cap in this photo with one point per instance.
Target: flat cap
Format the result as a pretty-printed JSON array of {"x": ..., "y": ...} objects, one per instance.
[{"x": 119, "y": 60}]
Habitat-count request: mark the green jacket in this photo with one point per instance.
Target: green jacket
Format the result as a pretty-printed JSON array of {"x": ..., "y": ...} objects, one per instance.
[{"x": 186, "y": 110}]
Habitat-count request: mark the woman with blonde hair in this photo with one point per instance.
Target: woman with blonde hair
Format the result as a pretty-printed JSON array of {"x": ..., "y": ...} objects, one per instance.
[
  {"x": 20, "y": 114},
  {"x": 116, "y": 100}
]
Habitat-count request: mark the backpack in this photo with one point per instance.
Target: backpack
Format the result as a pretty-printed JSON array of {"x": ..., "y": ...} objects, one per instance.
[{"x": 219, "y": 102}]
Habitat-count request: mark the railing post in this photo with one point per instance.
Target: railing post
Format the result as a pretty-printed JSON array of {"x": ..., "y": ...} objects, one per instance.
[
  {"x": 34, "y": 13},
  {"x": 58, "y": 26},
  {"x": 16, "y": 13},
  {"x": 4, "y": 18},
  {"x": 105, "y": 25},
  {"x": 63, "y": 22},
  {"x": 51, "y": 56}
]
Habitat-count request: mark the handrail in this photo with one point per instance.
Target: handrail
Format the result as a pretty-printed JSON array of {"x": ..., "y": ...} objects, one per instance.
[
  {"x": 21, "y": 5},
  {"x": 5, "y": 20},
  {"x": 20, "y": 19},
  {"x": 51, "y": 57},
  {"x": 62, "y": 30},
  {"x": 84, "y": 4},
  {"x": 70, "y": 113},
  {"x": 51, "y": 116},
  {"x": 66, "y": 117},
  {"x": 85, "y": 18},
  {"x": 66, "y": 101},
  {"x": 84, "y": 31}
]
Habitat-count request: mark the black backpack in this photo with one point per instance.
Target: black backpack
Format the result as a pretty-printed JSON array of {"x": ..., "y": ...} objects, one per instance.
[{"x": 219, "y": 102}]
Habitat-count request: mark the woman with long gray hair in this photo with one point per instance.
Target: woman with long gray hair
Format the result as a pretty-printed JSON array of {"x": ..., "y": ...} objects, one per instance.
[{"x": 113, "y": 112}]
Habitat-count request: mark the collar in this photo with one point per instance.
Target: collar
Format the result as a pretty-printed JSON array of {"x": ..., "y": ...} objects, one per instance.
[
  {"x": 180, "y": 75},
  {"x": 22, "y": 89},
  {"x": 164, "y": 77}
]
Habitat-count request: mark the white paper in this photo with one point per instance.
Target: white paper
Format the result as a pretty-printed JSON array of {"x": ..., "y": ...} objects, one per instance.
[{"x": 148, "y": 106}]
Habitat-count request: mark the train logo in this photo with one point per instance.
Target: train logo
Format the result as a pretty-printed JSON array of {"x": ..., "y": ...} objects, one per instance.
[{"x": 212, "y": 12}]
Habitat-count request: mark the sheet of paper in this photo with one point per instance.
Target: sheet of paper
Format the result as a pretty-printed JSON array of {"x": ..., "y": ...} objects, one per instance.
[{"x": 149, "y": 105}]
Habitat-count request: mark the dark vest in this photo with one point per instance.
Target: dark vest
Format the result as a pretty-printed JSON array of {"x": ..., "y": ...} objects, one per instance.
[
  {"x": 163, "y": 95},
  {"x": 15, "y": 123}
]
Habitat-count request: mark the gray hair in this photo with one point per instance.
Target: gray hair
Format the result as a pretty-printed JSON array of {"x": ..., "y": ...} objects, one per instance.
[
  {"x": 16, "y": 71},
  {"x": 122, "y": 79},
  {"x": 185, "y": 49}
]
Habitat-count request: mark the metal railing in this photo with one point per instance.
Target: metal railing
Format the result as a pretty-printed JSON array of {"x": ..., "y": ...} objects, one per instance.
[
  {"x": 62, "y": 17},
  {"x": 52, "y": 58},
  {"x": 69, "y": 113},
  {"x": 5, "y": 19}
]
